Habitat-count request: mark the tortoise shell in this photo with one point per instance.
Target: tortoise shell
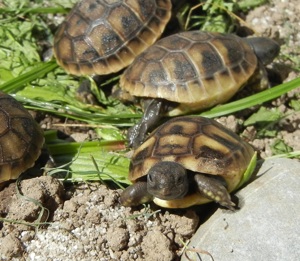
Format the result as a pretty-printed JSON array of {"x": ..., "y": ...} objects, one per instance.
[
  {"x": 200, "y": 145},
  {"x": 21, "y": 138},
  {"x": 104, "y": 36},
  {"x": 195, "y": 69}
]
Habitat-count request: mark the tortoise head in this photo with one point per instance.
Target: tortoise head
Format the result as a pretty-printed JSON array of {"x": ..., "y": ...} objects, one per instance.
[
  {"x": 265, "y": 48},
  {"x": 167, "y": 180}
]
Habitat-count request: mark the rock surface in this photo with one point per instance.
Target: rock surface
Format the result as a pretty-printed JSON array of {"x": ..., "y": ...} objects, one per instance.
[{"x": 267, "y": 226}]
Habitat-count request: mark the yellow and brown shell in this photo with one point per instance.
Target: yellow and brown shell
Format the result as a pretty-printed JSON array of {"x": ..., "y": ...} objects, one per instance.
[
  {"x": 104, "y": 36},
  {"x": 21, "y": 138},
  {"x": 195, "y": 69},
  {"x": 200, "y": 145}
]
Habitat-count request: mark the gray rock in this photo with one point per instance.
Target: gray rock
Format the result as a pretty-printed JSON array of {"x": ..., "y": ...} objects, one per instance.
[{"x": 267, "y": 227}]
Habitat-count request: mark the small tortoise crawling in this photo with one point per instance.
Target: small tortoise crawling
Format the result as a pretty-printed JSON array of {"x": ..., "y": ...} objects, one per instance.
[
  {"x": 188, "y": 161},
  {"x": 193, "y": 71},
  {"x": 21, "y": 138}
]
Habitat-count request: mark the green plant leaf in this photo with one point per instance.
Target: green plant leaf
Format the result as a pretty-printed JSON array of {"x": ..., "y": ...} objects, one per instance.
[
  {"x": 39, "y": 71},
  {"x": 75, "y": 159},
  {"x": 295, "y": 104},
  {"x": 280, "y": 147},
  {"x": 264, "y": 117}
]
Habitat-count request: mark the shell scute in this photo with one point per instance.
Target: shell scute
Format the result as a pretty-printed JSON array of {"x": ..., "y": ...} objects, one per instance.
[
  {"x": 206, "y": 58},
  {"x": 179, "y": 128},
  {"x": 89, "y": 10},
  {"x": 21, "y": 138},
  {"x": 180, "y": 67},
  {"x": 157, "y": 54},
  {"x": 199, "y": 144},
  {"x": 172, "y": 145},
  {"x": 196, "y": 37},
  {"x": 176, "y": 44},
  {"x": 199, "y": 70},
  {"x": 96, "y": 31},
  {"x": 126, "y": 23}
]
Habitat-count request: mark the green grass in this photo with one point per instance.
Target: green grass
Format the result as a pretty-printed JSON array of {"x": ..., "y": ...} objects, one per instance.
[{"x": 27, "y": 29}]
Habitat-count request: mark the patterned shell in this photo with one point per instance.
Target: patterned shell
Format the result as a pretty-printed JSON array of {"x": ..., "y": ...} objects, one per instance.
[
  {"x": 196, "y": 69},
  {"x": 197, "y": 143},
  {"x": 21, "y": 138},
  {"x": 104, "y": 36}
]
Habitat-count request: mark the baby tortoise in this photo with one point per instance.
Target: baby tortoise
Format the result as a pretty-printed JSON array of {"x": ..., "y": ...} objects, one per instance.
[
  {"x": 21, "y": 138},
  {"x": 189, "y": 161},
  {"x": 101, "y": 37},
  {"x": 192, "y": 71}
]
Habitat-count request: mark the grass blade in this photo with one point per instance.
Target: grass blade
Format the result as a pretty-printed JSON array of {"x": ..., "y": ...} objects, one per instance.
[
  {"x": 38, "y": 72},
  {"x": 252, "y": 100}
]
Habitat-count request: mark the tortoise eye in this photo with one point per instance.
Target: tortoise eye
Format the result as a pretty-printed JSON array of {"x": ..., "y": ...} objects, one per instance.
[
  {"x": 150, "y": 178},
  {"x": 179, "y": 180}
]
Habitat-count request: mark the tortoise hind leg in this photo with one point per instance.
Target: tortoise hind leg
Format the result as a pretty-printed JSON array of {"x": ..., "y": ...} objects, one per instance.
[{"x": 215, "y": 189}]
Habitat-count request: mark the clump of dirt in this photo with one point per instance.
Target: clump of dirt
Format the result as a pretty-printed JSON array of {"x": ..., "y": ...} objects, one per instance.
[
  {"x": 92, "y": 225},
  {"x": 31, "y": 203}
]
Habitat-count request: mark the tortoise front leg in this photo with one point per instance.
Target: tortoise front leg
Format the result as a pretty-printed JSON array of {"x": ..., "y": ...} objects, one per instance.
[
  {"x": 215, "y": 189},
  {"x": 152, "y": 114},
  {"x": 135, "y": 194}
]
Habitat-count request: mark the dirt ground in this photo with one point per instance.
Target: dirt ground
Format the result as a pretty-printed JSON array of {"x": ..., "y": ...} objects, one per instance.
[{"x": 86, "y": 222}]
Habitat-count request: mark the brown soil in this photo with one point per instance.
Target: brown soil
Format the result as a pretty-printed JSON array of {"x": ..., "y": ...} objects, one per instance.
[{"x": 87, "y": 221}]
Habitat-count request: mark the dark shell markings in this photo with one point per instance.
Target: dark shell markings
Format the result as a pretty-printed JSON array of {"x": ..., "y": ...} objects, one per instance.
[
  {"x": 21, "y": 138},
  {"x": 102, "y": 37},
  {"x": 201, "y": 146}
]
